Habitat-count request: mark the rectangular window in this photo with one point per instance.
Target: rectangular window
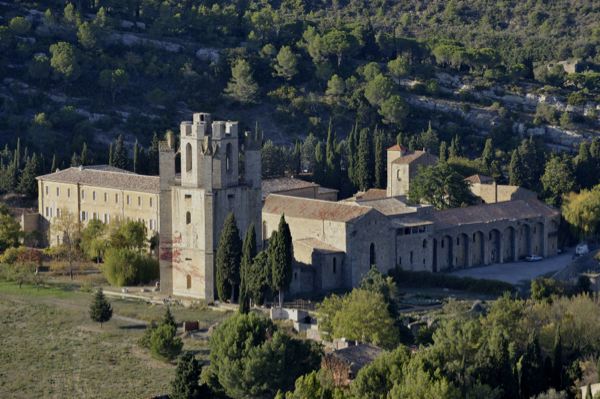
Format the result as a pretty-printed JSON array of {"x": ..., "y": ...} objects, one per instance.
[
  {"x": 47, "y": 212},
  {"x": 50, "y": 212},
  {"x": 68, "y": 193},
  {"x": 139, "y": 201},
  {"x": 57, "y": 212},
  {"x": 94, "y": 217},
  {"x": 106, "y": 218},
  {"x": 58, "y": 193},
  {"x": 128, "y": 200},
  {"x": 150, "y": 202},
  {"x": 82, "y": 194},
  {"x": 46, "y": 190},
  {"x": 116, "y": 198},
  {"x": 105, "y": 197},
  {"x": 82, "y": 216},
  {"x": 93, "y": 195}
]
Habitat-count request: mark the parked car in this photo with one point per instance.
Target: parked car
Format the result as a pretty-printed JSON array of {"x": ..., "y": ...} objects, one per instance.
[
  {"x": 582, "y": 249},
  {"x": 533, "y": 258}
]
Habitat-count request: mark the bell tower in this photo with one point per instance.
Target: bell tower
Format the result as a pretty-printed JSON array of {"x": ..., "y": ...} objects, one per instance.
[{"x": 193, "y": 135}]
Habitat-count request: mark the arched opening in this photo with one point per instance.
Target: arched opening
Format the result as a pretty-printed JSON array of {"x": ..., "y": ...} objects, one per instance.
[
  {"x": 188, "y": 157},
  {"x": 524, "y": 238},
  {"x": 508, "y": 244},
  {"x": 372, "y": 257},
  {"x": 188, "y": 281},
  {"x": 494, "y": 246},
  {"x": 462, "y": 252},
  {"x": 228, "y": 157},
  {"x": 188, "y": 217},
  {"x": 478, "y": 252}
]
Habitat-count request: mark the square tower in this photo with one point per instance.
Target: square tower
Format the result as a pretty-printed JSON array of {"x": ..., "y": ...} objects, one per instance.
[{"x": 210, "y": 188}]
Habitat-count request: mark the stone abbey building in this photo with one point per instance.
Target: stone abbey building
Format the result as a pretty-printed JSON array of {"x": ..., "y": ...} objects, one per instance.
[{"x": 335, "y": 242}]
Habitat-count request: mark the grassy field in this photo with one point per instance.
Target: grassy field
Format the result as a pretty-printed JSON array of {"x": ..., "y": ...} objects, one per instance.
[{"x": 51, "y": 349}]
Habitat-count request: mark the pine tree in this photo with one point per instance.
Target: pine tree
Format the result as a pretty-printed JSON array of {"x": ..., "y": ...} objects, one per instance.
[
  {"x": 281, "y": 255},
  {"x": 228, "y": 259},
  {"x": 379, "y": 150},
  {"x": 185, "y": 385},
  {"x": 84, "y": 157},
  {"x": 364, "y": 164},
  {"x": 168, "y": 318},
  {"x": 287, "y": 63},
  {"x": 248, "y": 254},
  {"x": 136, "y": 154},
  {"x": 100, "y": 309},
  {"x": 242, "y": 87},
  {"x": 443, "y": 152},
  {"x": 27, "y": 182}
]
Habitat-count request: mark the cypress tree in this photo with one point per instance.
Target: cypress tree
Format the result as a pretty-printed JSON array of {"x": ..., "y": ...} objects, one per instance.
[
  {"x": 84, "y": 157},
  {"x": 27, "y": 182},
  {"x": 17, "y": 155},
  {"x": 443, "y": 151},
  {"x": 228, "y": 259},
  {"x": 153, "y": 156},
  {"x": 332, "y": 160},
  {"x": 351, "y": 140},
  {"x": 515, "y": 169},
  {"x": 487, "y": 155},
  {"x": 54, "y": 164},
  {"x": 111, "y": 157},
  {"x": 557, "y": 362},
  {"x": 281, "y": 254},
  {"x": 100, "y": 309},
  {"x": 75, "y": 161},
  {"x": 364, "y": 168},
  {"x": 454, "y": 149},
  {"x": 379, "y": 150},
  {"x": 185, "y": 385},
  {"x": 136, "y": 154},
  {"x": 120, "y": 153},
  {"x": 320, "y": 172},
  {"x": 399, "y": 139},
  {"x": 248, "y": 253}
]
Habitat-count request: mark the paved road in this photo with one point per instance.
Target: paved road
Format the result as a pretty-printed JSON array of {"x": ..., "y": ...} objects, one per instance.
[{"x": 517, "y": 272}]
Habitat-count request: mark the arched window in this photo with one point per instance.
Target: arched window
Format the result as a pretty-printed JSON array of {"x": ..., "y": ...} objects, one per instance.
[
  {"x": 188, "y": 157},
  {"x": 334, "y": 265},
  {"x": 228, "y": 157},
  {"x": 424, "y": 243},
  {"x": 188, "y": 217},
  {"x": 399, "y": 175},
  {"x": 372, "y": 257},
  {"x": 188, "y": 281}
]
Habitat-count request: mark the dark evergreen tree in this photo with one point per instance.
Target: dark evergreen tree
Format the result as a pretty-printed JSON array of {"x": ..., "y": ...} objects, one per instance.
[
  {"x": 75, "y": 161},
  {"x": 84, "y": 158},
  {"x": 320, "y": 168},
  {"x": 443, "y": 155},
  {"x": 27, "y": 182},
  {"x": 136, "y": 154},
  {"x": 281, "y": 255},
  {"x": 364, "y": 164},
  {"x": 153, "y": 156},
  {"x": 54, "y": 164},
  {"x": 332, "y": 160},
  {"x": 248, "y": 254},
  {"x": 515, "y": 169},
  {"x": 111, "y": 156},
  {"x": 168, "y": 318},
  {"x": 120, "y": 159},
  {"x": 531, "y": 370},
  {"x": 187, "y": 374},
  {"x": 558, "y": 380},
  {"x": 380, "y": 161},
  {"x": 100, "y": 309},
  {"x": 487, "y": 156},
  {"x": 228, "y": 259},
  {"x": 454, "y": 149}
]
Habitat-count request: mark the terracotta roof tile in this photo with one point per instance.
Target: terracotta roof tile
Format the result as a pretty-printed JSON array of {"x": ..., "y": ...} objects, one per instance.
[
  {"x": 281, "y": 184},
  {"x": 105, "y": 176},
  {"x": 313, "y": 209},
  {"x": 487, "y": 213},
  {"x": 480, "y": 179},
  {"x": 397, "y": 147},
  {"x": 410, "y": 158}
]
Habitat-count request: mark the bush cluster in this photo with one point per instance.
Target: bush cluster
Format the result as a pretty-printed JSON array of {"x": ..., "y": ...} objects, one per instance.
[{"x": 124, "y": 266}]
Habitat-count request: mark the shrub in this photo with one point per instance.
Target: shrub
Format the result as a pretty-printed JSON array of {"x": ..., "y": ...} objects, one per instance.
[
  {"x": 164, "y": 344},
  {"x": 126, "y": 267}
]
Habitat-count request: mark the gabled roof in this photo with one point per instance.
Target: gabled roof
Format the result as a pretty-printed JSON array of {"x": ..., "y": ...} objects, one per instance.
[
  {"x": 309, "y": 208},
  {"x": 482, "y": 179},
  {"x": 417, "y": 155},
  {"x": 105, "y": 176},
  {"x": 487, "y": 213},
  {"x": 279, "y": 184}
]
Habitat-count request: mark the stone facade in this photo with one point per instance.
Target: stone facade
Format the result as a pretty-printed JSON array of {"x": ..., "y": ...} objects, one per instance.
[
  {"x": 98, "y": 192},
  {"x": 335, "y": 243},
  {"x": 210, "y": 187}
]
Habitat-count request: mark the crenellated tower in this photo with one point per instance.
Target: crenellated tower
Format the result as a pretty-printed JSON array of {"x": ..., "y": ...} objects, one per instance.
[{"x": 209, "y": 188}]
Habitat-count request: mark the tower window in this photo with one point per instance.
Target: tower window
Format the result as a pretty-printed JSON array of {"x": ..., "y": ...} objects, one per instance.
[
  {"x": 372, "y": 257},
  {"x": 188, "y": 217},
  {"x": 399, "y": 175},
  {"x": 188, "y": 281},
  {"x": 188, "y": 157}
]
